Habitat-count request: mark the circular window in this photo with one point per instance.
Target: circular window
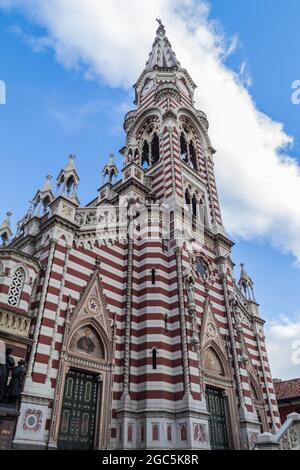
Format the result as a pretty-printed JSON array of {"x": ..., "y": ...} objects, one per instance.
[{"x": 202, "y": 269}]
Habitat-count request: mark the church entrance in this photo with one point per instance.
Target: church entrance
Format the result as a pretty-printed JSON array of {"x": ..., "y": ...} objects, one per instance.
[
  {"x": 217, "y": 421},
  {"x": 78, "y": 415}
]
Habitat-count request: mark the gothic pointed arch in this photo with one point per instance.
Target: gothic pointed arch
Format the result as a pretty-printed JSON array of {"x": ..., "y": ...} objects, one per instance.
[
  {"x": 199, "y": 126},
  {"x": 212, "y": 362},
  {"x": 90, "y": 322},
  {"x": 210, "y": 331},
  {"x": 88, "y": 360}
]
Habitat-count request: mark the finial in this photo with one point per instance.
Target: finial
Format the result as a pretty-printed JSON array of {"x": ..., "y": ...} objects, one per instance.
[
  {"x": 98, "y": 263},
  {"x": 161, "y": 28},
  {"x": 47, "y": 184},
  {"x": 5, "y": 230}
]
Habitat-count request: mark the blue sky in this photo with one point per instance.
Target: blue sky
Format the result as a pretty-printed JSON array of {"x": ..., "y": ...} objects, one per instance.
[{"x": 53, "y": 109}]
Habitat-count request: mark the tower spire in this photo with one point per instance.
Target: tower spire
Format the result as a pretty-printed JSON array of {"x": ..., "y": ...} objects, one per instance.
[{"x": 162, "y": 54}]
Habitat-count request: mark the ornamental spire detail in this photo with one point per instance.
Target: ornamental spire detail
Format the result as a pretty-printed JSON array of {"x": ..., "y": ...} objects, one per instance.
[{"x": 162, "y": 54}]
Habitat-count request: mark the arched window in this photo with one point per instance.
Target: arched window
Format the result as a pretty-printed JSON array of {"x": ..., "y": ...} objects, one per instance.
[
  {"x": 202, "y": 212},
  {"x": 46, "y": 203},
  {"x": 153, "y": 273},
  {"x": 193, "y": 158},
  {"x": 194, "y": 212},
  {"x": 183, "y": 148},
  {"x": 154, "y": 359},
  {"x": 15, "y": 291},
  {"x": 155, "y": 149},
  {"x": 166, "y": 322},
  {"x": 194, "y": 206},
  {"x": 146, "y": 155},
  {"x": 187, "y": 198}
]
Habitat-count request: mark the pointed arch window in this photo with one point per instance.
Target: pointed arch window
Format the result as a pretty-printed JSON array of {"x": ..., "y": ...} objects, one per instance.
[
  {"x": 153, "y": 276},
  {"x": 203, "y": 219},
  {"x": 155, "y": 149},
  {"x": 194, "y": 206},
  {"x": 146, "y": 155},
  {"x": 193, "y": 158},
  {"x": 16, "y": 287},
  {"x": 187, "y": 198},
  {"x": 46, "y": 203},
  {"x": 194, "y": 212},
  {"x": 183, "y": 148},
  {"x": 154, "y": 359}
]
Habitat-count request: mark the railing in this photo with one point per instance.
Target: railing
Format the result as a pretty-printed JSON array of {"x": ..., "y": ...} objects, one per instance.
[{"x": 287, "y": 438}]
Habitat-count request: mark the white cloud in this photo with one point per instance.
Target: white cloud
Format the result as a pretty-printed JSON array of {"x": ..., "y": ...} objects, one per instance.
[
  {"x": 111, "y": 40},
  {"x": 283, "y": 345}
]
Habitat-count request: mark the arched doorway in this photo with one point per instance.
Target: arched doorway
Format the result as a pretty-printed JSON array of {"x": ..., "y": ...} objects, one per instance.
[
  {"x": 82, "y": 408},
  {"x": 258, "y": 404},
  {"x": 82, "y": 401},
  {"x": 219, "y": 398}
]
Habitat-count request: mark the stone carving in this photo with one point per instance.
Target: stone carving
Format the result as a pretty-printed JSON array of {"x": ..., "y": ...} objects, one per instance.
[
  {"x": 190, "y": 290},
  {"x": 5, "y": 369},
  {"x": 93, "y": 306},
  {"x": 67, "y": 211},
  {"x": 14, "y": 323},
  {"x": 200, "y": 434},
  {"x": 212, "y": 363},
  {"x": 16, "y": 383},
  {"x": 32, "y": 420},
  {"x": 289, "y": 440}
]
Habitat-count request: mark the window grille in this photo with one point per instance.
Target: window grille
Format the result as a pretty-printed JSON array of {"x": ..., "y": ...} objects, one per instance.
[{"x": 16, "y": 287}]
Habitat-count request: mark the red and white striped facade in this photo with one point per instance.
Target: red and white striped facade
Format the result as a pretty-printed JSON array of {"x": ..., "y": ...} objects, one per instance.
[{"x": 204, "y": 329}]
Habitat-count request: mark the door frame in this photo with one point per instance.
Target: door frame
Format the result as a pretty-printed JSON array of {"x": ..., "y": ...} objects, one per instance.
[
  {"x": 226, "y": 417},
  {"x": 98, "y": 401},
  {"x": 103, "y": 419},
  {"x": 226, "y": 385}
]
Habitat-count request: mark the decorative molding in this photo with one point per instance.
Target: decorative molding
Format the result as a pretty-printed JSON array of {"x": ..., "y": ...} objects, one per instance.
[{"x": 14, "y": 323}]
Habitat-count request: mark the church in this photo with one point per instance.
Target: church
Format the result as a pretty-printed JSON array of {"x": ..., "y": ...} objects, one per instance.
[{"x": 133, "y": 329}]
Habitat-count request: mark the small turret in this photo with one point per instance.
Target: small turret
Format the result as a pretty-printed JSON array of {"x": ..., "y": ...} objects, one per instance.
[
  {"x": 43, "y": 198},
  {"x": 246, "y": 284},
  {"x": 110, "y": 169},
  {"x": 5, "y": 230},
  {"x": 68, "y": 180}
]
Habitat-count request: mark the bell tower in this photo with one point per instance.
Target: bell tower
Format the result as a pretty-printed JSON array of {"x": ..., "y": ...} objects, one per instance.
[
  {"x": 168, "y": 138},
  {"x": 185, "y": 354}
]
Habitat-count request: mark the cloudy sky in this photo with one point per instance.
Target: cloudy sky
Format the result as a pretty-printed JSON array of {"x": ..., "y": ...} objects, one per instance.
[{"x": 69, "y": 67}]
